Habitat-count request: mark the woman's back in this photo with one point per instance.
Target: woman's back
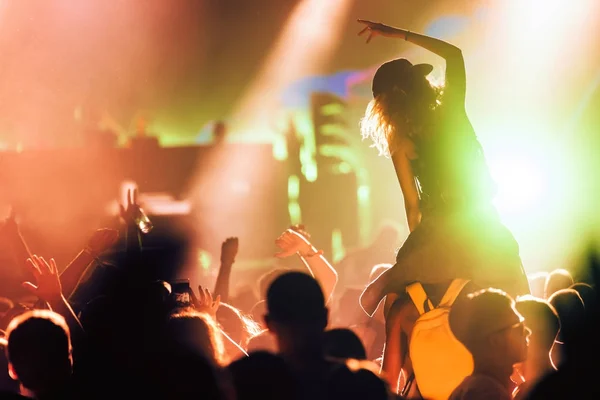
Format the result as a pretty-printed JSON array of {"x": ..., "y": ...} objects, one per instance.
[{"x": 451, "y": 170}]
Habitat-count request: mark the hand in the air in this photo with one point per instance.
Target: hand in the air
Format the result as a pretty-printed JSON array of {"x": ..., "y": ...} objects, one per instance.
[
  {"x": 374, "y": 29},
  {"x": 128, "y": 213},
  {"x": 46, "y": 275},
  {"x": 229, "y": 250},
  {"x": 291, "y": 242},
  {"x": 206, "y": 303}
]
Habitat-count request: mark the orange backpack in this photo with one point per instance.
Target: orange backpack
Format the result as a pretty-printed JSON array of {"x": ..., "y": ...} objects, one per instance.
[{"x": 440, "y": 362}]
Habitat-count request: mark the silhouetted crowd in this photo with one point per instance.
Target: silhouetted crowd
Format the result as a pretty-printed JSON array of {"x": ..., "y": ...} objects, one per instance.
[{"x": 299, "y": 333}]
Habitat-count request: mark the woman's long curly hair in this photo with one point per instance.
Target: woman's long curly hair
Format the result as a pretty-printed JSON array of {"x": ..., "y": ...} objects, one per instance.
[{"x": 408, "y": 110}]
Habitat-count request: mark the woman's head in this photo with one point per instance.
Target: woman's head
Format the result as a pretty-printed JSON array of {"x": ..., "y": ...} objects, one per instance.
[
  {"x": 239, "y": 327},
  {"x": 402, "y": 101},
  {"x": 198, "y": 332}
]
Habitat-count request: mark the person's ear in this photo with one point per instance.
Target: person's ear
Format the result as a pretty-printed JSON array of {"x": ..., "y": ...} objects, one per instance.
[
  {"x": 12, "y": 373},
  {"x": 269, "y": 323}
]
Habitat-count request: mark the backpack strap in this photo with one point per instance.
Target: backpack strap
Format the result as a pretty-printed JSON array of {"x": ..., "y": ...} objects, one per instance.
[
  {"x": 452, "y": 292},
  {"x": 419, "y": 297}
]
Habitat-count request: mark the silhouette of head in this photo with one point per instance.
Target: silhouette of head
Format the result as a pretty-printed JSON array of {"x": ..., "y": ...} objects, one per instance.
[
  {"x": 557, "y": 280},
  {"x": 39, "y": 350},
  {"x": 399, "y": 74},
  {"x": 343, "y": 343},
  {"x": 490, "y": 327},
  {"x": 402, "y": 103},
  {"x": 541, "y": 318},
  {"x": 571, "y": 312},
  {"x": 296, "y": 311}
]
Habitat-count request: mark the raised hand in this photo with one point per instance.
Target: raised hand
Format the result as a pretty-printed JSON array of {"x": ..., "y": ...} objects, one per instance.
[
  {"x": 229, "y": 250},
  {"x": 291, "y": 242},
  {"x": 48, "y": 286},
  {"x": 102, "y": 240},
  {"x": 128, "y": 213},
  {"x": 134, "y": 215},
  {"x": 206, "y": 303},
  {"x": 374, "y": 29},
  {"x": 301, "y": 229}
]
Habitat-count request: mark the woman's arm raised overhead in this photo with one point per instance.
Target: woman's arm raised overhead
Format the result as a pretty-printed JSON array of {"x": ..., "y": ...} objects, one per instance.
[{"x": 456, "y": 82}]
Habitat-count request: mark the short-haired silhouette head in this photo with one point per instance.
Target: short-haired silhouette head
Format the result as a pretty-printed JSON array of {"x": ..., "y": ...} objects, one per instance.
[
  {"x": 541, "y": 318},
  {"x": 296, "y": 315},
  {"x": 344, "y": 343},
  {"x": 537, "y": 283},
  {"x": 39, "y": 350},
  {"x": 557, "y": 280},
  {"x": 571, "y": 312},
  {"x": 296, "y": 298}
]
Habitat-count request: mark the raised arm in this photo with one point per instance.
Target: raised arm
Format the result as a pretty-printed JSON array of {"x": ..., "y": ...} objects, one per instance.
[
  {"x": 292, "y": 242},
  {"x": 229, "y": 250},
  {"x": 101, "y": 241},
  {"x": 48, "y": 288},
  {"x": 133, "y": 236},
  {"x": 456, "y": 83}
]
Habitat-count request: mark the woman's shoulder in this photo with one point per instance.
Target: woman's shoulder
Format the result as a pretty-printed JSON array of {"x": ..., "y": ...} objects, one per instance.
[
  {"x": 406, "y": 146},
  {"x": 449, "y": 109}
]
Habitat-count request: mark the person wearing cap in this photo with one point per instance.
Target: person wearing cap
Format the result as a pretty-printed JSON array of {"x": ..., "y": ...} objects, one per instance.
[
  {"x": 489, "y": 326},
  {"x": 455, "y": 232}
]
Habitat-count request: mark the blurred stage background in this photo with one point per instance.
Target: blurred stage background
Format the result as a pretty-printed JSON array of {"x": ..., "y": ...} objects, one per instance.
[{"x": 99, "y": 94}]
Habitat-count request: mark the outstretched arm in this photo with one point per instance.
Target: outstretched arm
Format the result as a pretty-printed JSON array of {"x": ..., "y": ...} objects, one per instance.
[
  {"x": 455, "y": 87},
  {"x": 294, "y": 241},
  {"x": 48, "y": 288},
  {"x": 133, "y": 238},
  {"x": 229, "y": 250},
  {"x": 101, "y": 241}
]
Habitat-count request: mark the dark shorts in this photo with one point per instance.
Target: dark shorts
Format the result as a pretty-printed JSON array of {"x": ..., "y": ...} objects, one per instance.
[{"x": 474, "y": 246}]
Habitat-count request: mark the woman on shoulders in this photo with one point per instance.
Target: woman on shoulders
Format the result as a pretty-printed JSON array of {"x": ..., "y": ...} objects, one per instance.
[{"x": 441, "y": 168}]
